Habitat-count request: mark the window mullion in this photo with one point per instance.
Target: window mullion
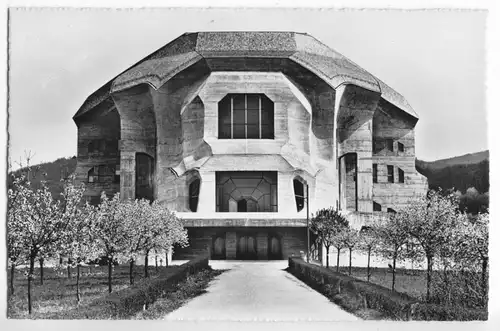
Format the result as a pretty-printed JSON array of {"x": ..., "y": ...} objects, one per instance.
[
  {"x": 260, "y": 117},
  {"x": 232, "y": 110},
  {"x": 246, "y": 122}
]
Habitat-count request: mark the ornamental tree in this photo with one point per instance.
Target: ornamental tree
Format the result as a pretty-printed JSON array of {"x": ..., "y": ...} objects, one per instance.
[
  {"x": 328, "y": 223},
  {"x": 431, "y": 220},
  {"x": 368, "y": 241},
  {"x": 110, "y": 231},
  {"x": 350, "y": 239},
  {"x": 393, "y": 237}
]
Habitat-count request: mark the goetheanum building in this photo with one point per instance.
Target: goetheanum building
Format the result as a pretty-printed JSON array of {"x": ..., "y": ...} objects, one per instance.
[{"x": 232, "y": 129}]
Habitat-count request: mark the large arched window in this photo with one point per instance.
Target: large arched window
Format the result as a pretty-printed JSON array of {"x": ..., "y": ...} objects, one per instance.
[
  {"x": 144, "y": 176},
  {"x": 246, "y": 116},
  {"x": 194, "y": 192}
]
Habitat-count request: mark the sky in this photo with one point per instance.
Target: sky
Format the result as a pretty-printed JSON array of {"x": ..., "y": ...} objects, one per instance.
[{"x": 435, "y": 59}]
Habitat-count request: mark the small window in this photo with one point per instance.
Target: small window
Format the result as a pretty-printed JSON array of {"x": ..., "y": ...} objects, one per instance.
[
  {"x": 99, "y": 174},
  {"x": 389, "y": 143},
  {"x": 390, "y": 210},
  {"x": 390, "y": 174},
  {"x": 194, "y": 193},
  {"x": 401, "y": 175},
  {"x": 376, "y": 206},
  {"x": 298, "y": 188},
  {"x": 375, "y": 173},
  {"x": 401, "y": 147}
]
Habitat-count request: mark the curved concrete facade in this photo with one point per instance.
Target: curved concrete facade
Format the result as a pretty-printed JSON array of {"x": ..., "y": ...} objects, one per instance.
[{"x": 336, "y": 130}]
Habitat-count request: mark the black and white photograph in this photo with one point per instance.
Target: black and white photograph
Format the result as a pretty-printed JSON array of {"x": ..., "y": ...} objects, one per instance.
[{"x": 248, "y": 165}]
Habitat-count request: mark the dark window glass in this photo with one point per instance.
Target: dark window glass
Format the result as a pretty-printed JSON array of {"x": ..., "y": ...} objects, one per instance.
[
  {"x": 390, "y": 210},
  {"x": 401, "y": 175},
  {"x": 298, "y": 188},
  {"x": 225, "y": 118},
  {"x": 401, "y": 147},
  {"x": 390, "y": 174},
  {"x": 194, "y": 192},
  {"x": 377, "y": 207},
  {"x": 375, "y": 173},
  {"x": 389, "y": 144}
]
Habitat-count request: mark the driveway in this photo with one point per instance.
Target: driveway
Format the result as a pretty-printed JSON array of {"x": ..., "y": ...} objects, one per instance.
[{"x": 258, "y": 291}]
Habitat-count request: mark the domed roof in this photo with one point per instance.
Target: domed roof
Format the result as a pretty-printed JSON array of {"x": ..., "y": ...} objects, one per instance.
[{"x": 303, "y": 49}]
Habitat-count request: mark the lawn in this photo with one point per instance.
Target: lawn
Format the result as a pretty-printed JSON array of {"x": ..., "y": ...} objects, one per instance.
[
  {"x": 57, "y": 295},
  {"x": 410, "y": 281}
]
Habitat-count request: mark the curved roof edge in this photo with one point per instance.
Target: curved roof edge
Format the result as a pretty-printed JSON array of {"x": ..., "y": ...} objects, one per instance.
[{"x": 161, "y": 65}]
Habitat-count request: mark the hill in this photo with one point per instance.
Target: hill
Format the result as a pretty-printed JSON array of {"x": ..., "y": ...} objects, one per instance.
[
  {"x": 460, "y": 173},
  {"x": 51, "y": 172}
]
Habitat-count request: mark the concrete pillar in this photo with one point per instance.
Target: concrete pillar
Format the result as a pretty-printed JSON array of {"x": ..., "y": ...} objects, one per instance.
[
  {"x": 231, "y": 245},
  {"x": 127, "y": 175}
]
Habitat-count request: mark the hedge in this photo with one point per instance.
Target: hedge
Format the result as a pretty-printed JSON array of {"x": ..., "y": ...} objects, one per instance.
[
  {"x": 139, "y": 296},
  {"x": 354, "y": 294}
]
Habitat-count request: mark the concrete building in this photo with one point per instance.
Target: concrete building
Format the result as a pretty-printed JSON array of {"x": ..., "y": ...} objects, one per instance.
[{"x": 231, "y": 129}]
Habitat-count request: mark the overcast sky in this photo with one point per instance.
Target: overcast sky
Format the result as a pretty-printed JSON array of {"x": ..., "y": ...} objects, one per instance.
[{"x": 435, "y": 59}]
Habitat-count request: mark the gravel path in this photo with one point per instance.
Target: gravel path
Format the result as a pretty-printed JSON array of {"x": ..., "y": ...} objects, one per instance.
[{"x": 258, "y": 291}]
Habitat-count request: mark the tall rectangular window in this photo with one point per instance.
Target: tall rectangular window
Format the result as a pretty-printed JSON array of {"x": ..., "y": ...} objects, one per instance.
[
  {"x": 246, "y": 116},
  {"x": 389, "y": 143},
  {"x": 401, "y": 147},
  {"x": 390, "y": 174},
  {"x": 375, "y": 173},
  {"x": 401, "y": 175}
]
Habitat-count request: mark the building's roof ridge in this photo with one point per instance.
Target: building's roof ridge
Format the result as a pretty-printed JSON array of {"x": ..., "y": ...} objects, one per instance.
[{"x": 336, "y": 71}]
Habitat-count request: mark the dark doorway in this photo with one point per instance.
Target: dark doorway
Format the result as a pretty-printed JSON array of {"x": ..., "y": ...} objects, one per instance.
[
  {"x": 274, "y": 245},
  {"x": 219, "y": 248},
  {"x": 247, "y": 248},
  {"x": 242, "y": 206}
]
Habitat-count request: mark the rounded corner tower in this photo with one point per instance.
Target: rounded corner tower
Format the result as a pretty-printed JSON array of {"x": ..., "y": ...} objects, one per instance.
[{"x": 232, "y": 129}]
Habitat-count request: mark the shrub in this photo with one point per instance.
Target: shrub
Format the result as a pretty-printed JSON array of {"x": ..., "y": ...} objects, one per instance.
[
  {"x": 355, "y": 295},
  {"x": 433, "y": 312},
  {"x": 146, "y": 291}
]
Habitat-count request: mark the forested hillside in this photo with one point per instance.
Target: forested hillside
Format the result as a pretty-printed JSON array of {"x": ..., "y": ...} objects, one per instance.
[{"x": 468, "y": 174}]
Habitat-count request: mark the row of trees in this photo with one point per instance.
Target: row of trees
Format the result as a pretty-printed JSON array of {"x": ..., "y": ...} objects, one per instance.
[
  {"x": 41, "y": 227},
  {"x": 431, "y": 230}
]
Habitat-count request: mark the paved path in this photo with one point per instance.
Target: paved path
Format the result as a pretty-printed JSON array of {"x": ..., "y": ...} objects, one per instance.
[{"x": 258, "y": 291}]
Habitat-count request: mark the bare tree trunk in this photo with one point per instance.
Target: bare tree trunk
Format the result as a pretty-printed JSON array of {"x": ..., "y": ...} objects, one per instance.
[
  {"x": 110, "y": 270},
  {"x": 338, "y": 259},
  {"x": 30, "y": 278},
  {"x": 131, "y": 272},
  {"x": 166, "y": 259},
  {"x": 394, "y": 271},
  {"x": 429, "y": 277},
  {"x": 146, "y": 258},
  {"x": 368, "y": 267},
  {"x": 12, "y": 275},
  {"x": 156, "y": 262},
  {"x": 78, "y": 283},
  {"x": 350, "y": 260},
  {"x": 69, "y": 268},
  {"x": 41, "y": 270}
]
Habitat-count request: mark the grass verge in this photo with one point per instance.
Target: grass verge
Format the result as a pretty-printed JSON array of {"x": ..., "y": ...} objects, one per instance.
[{"x": 179, "y": 294}]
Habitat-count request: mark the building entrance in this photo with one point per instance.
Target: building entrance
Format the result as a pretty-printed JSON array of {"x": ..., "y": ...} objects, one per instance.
[{"x": 247, "y": 248}]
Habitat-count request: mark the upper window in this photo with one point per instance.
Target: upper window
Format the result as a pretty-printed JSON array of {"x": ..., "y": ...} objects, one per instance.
[
  {"x": 390, "y": 174},
  {"x": 401, "y": 147},
  {"x": 246, "y": 116},
  {"x": 389, "y": 143},
  {"x": 401, "y": 175},
  {"x": 376, "y": 206},
  {"x": 375, "y": 173}
]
